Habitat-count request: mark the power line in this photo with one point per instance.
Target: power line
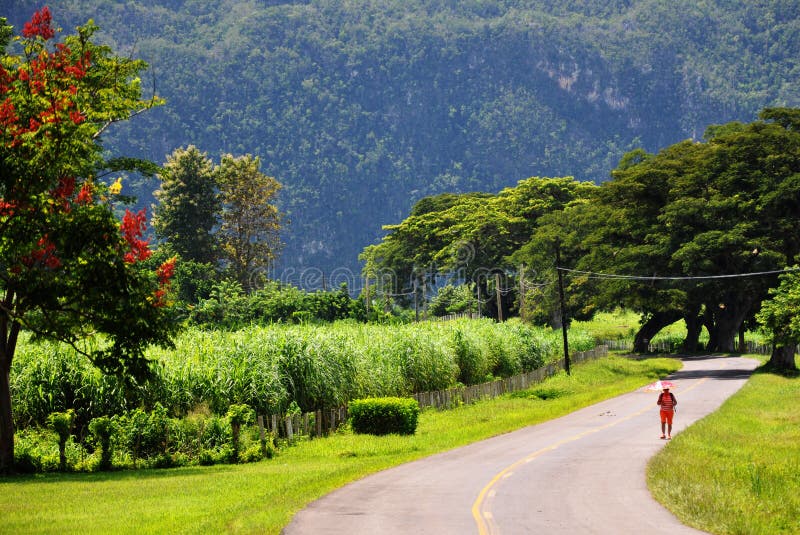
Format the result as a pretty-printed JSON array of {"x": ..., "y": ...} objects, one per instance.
[{"x": 655, "y": 278}]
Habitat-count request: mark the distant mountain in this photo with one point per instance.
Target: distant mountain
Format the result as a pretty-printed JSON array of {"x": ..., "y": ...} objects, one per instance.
[{"x": 360, "y": 108}]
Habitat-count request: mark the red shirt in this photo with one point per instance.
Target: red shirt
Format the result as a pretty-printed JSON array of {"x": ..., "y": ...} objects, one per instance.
[{"x": 667, "y": 402}]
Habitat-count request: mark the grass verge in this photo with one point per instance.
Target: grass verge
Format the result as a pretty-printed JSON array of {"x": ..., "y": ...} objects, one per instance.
[
  {"x": 262, "y": 497},
  {"x": 737, "y": 471}
]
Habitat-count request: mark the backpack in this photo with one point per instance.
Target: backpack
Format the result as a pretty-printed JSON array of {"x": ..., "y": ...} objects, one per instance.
[{"x": 661, "y": 396}]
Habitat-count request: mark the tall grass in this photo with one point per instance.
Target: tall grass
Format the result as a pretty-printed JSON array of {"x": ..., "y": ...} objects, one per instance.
[{"x": 269, "y": 368}]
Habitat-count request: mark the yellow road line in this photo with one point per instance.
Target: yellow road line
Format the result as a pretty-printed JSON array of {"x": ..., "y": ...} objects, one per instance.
[{"x": 484, "y": 519}]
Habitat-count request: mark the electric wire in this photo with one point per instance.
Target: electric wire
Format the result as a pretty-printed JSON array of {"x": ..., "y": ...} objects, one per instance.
[{"x": 597, "y": 275}]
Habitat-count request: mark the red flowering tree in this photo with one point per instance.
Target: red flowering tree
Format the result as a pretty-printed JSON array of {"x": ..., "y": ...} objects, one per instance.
[{"x": 69, "y": 269}]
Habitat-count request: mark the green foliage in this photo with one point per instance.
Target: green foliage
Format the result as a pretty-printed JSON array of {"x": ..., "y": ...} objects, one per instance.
[
  {"x": 61, "y": 422},
  {"x": 452, "y": 300},
  {"x": 267, "y": 368},
  {"x": 411, "y": 98},
  {"x": 471, "y": 361},
  {"x": 149, "y": 439},
  {"x": 69, "y": 271},
  {"x": 382, "y": 416},
  {"x": 779, "y": 315},
  {"x": 238, "y": 415},
  {"x": 51, "y": 378},
  {"x": 188, "y": 205},
  {"x": 229, "y": 307},
  {"x": 102, "y": 428},
  {"x": 143, "y": 434},
  {"x": 249, "y": 232}
]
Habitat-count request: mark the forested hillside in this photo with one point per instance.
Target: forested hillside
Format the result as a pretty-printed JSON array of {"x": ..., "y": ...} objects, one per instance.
[{"x": 362, "y": 108}]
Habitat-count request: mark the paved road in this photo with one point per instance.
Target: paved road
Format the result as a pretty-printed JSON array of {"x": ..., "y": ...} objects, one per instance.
[{"x": 582, "y": 473}]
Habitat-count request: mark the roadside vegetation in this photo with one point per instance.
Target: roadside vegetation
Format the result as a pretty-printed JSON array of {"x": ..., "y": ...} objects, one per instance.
[
  {"x": 738, "y": 469},
  {"x": 261, "y": 497},
  {"x": 181, "y": 416}
]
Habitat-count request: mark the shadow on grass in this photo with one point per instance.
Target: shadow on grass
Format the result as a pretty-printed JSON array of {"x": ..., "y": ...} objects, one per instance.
[
  {"x": 115, "y": 475},
  {"x": 782, "y": 372}
]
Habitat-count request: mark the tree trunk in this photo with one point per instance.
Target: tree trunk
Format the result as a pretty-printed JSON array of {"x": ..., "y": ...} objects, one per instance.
[
  {"x": 708, "y": 323},
  {"x": 9, "y": 333},
  {"x": 727, "y": 323},
  {"x": 6, "y": 419},
  {"x": 651, "y": 327},
  {"x": 742, "y": 329},
  {"x": 694, "y": 326},
  {"x": 782, "y": 358},
  {"x": 726, "y": 331}
]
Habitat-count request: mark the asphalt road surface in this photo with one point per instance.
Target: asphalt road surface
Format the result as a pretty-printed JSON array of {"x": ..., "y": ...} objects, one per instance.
[{"x": 583, "y": 473}]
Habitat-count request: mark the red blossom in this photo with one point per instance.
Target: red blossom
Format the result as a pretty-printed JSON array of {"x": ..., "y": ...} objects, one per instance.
[
  {"x": 77, "y": 117},
  {"x": 133, "y": 227},
  {"x": 159, "y": 297},
  {"x": 85, "y": 194},
  {"x": 44, "y": 256},
  {"x": 165, "y": 271},
  {"x": 5, "y": 80},
  {"x": 65, "y": 188},
  {"x": 7, "y": 208},
  {"x": 39, "y": 25},
  {"x": 76, "y": 70},
  {"x": 8, "y": 114}
]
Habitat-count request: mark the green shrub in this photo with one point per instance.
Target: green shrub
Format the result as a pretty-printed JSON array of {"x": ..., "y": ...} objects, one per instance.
[
  {"x": 103, "y": 428},
  {"x": 61, "y": 422},
  {"x": 238, "y": 415},
  {"x": 143, "y": 434},
  {"x": 382, "y": 416},
  {"x": 251, "y": 455},
  {"x": 470, "y": 359}
]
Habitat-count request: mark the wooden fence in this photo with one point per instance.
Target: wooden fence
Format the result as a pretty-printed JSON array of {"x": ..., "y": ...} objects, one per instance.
[
  {"x": 671, "y": 346},
  {"x": 324, "y": 422},
  {"x": 452, "y": 397}
]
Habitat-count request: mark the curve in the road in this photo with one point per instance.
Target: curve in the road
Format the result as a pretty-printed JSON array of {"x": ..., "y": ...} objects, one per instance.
[{"x": 581, "y": 473}]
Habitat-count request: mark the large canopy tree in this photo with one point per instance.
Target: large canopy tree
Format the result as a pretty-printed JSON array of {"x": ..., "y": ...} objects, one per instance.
[
  {"x": 68, "y": 269},
  {"x": 709, "y": 212}
]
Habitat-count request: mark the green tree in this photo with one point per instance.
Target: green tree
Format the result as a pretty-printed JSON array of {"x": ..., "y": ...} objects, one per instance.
[
  {"x": 188, "y": 205},
  {"x": 251, "y": 223},
  {"x": 471, "y": 235},
  {"x": 780, "y": 318},
  {"x": 68, "y": 269},
  {"x": 709, "y": 211},
  {"x": 620, "y": 234}
]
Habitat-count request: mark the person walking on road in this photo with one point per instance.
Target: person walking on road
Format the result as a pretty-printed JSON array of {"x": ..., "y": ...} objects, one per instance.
[{"x": 667, "y": 401}]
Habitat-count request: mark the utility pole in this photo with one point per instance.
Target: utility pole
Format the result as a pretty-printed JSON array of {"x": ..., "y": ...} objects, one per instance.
[
  {"x": 499, "y": 298},
  {"x": 522, "y": 292},
  {"x": 563, "y": 307},
  {"x": 366, "y": 295},
  {"x": 478, "y": 285},
  {"x": 416, "y": 303}
]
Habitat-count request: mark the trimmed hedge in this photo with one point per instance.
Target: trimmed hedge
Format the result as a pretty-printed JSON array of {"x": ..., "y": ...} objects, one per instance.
[{"x": 382, "y": 416}]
